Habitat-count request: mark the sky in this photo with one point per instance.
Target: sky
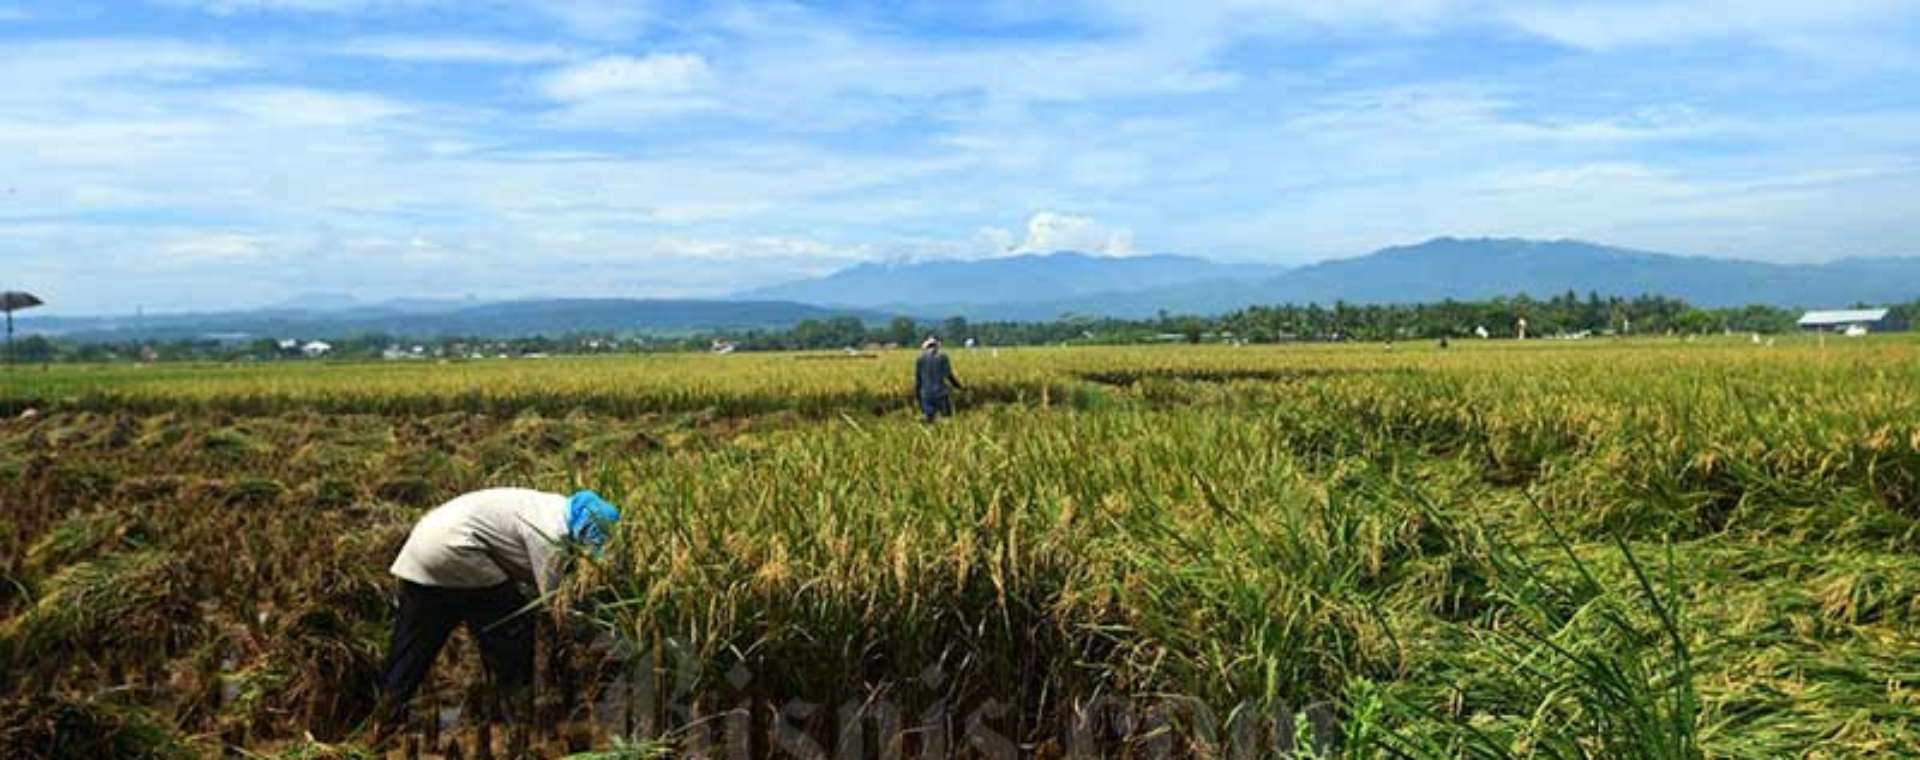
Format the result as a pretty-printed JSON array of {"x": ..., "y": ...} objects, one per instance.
[{"x": 205, "y": 154}]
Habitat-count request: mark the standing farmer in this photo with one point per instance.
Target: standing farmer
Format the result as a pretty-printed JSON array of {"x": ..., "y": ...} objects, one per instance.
[
  {"x": 932, "y": 373},
  {"x": 464, "y": 564}
]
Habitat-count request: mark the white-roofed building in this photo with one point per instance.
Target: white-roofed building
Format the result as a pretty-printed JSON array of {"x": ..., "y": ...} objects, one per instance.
[{"x": 1853, "y": 321}]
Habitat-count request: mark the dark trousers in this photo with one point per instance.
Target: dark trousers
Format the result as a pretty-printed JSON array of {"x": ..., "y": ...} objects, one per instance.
[
  {"x": 428, "y": 616},
  {"x": 936, "y": 406}
]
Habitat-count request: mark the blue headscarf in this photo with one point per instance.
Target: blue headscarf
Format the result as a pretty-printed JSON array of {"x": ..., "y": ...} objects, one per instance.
[{"x": 589, "y": 517}]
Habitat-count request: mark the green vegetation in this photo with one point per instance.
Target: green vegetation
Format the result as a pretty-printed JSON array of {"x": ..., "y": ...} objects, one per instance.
[
  {"x": 70, "y": 729},
  {"x": 1566, "y": 314},
  {"x": 1649, "y": 548}
]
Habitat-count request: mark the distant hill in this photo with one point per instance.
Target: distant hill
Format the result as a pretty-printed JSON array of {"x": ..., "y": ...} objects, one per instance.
[
  {"x": 1454, "y": 268},
  {"x": 318, "y": 301},
  {"x": 1046, "y": 287},
  {"x": 1483, "y": 268},
  {"x": 429, "y": 319},
  {"x": 1028, "y": 278}
]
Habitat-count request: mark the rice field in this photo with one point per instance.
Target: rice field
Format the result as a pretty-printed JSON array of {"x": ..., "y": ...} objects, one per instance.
[{"x": 1652, "y": 548}]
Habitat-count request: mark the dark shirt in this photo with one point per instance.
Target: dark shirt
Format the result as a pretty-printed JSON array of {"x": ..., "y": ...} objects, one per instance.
[{"x": 932, "y": 373}]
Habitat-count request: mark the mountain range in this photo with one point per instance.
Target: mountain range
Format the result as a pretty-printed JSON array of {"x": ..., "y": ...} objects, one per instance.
[{"x": 1047, "y": 286}]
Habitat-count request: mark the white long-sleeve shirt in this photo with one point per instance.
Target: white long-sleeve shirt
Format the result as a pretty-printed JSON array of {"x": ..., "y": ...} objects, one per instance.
[{"x": 485, "y": 538}]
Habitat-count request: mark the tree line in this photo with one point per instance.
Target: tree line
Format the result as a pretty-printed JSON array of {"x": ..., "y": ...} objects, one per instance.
[{"x": 1565, "y": 314}]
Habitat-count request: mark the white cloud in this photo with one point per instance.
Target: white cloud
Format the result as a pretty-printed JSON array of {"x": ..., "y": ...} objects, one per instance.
[
  {"x": 1283, "y": 16},
  {"x": 1872, "y": 33},
  {"x": 599, "y": 19},
  {"x": 215, "y": 247},
  {"x": 299, "y": 106},
  {"x": 226, "y": 7},
  {"x": 63, "y": 144},
  {"x": 436, "y": 49},
  {"x": 1629, "y": 23},
  {"x": 1438, "y": 115},
  {"x": 589, "y": 19},
  {"x": 33, "y": 68},
  {"x": 620, "y": 75},
  {"x": 996, "y": 240},
  {"x": 620, "y": 92},
  {"x": 807, "y": 69},
  {"x": 412, "y": 252},
  {"x": 760, "y": 247},
  {"x": 1048, "y": 231}
]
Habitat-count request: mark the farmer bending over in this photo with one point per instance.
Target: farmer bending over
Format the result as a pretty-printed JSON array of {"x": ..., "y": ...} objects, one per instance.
[
  {"x": 932, "y": 373},
  {"x": 464, "y": 563}
]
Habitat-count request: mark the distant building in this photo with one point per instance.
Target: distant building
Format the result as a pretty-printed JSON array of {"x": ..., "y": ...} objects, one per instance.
[
  {"x": 1851, "y": 321},
  {"x": 401, "y": 353},
  {"x": 316, "y": 349}
]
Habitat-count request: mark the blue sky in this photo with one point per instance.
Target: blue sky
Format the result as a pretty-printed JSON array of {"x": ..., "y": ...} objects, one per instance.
[{"x": 199, "y": 154}]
